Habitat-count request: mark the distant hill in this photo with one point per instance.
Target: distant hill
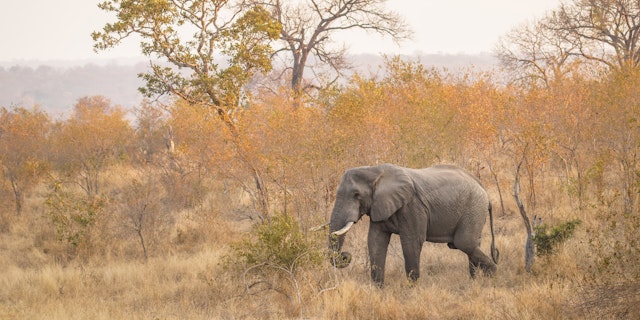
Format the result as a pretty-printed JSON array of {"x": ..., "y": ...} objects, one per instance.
[
  {"x": 56, "y": 89},
  {"x": 55, "y": 86}
]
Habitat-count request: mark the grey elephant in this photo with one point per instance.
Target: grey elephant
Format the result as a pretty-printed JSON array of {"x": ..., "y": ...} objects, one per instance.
[{"x": 442, "y": 203}]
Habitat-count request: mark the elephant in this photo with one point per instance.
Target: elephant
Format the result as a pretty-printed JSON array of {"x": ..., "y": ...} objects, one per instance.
[{"x": 440, "y": 204}]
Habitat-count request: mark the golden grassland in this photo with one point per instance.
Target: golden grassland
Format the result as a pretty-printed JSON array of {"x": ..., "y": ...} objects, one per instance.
[{"x": 190, "y": 280}]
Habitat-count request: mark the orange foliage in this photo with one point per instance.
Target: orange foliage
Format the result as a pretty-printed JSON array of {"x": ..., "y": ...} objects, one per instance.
[
  {"x": 96, "y": 136},
  {"x": 289, "y": 158},
  {"x": 23, "y": 159}
]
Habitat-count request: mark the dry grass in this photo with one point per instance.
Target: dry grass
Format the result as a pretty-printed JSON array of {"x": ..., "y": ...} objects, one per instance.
[
  {"x": 185, "y": 279},
  {"x": 195, "y": 286},
  {"x": 172, "y": 287}
]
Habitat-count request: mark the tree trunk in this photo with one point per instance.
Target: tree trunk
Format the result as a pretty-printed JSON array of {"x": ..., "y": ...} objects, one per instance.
[
  {"x": 529, "y": 250},
  {"x": 19, "y": 196},
  {"x": 262, "y": 195},
  {"x": 144, "y": 247},
  {"x": 495, "y": 179}
]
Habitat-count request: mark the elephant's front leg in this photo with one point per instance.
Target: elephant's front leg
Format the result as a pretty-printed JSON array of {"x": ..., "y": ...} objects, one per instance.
[
  {"x": 411, "y": 249},
  {"x": 378, "y": 243}
]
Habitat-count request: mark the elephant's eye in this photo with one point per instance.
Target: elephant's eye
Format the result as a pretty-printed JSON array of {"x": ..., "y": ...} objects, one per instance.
[{"x": 356, "y": 195}]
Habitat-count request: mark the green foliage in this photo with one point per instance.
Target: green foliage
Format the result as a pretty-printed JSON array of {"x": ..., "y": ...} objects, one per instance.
[
  {"x": 278, "y": 243},
  {"x": 72, "y": 215},
  {"x": 273, "y": 254},
  {"x": 241, "y": 35},
  {"x": 547, "y": 238}
]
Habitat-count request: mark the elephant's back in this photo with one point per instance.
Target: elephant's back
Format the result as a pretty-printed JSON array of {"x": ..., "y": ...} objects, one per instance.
[
  {"x": 451, "y": 190},
  {"x": 447, "y": 175},
  {"x": 450, "y": 171}
]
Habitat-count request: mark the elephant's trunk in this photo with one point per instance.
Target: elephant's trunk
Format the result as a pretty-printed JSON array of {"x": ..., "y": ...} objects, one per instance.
[{"x": 339, "y": 259}]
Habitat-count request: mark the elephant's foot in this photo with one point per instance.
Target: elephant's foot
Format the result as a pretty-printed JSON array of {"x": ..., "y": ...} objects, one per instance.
[
  {"x": 489, "y": 270},
  {"x": 478, "y": 260},
  {"x": 377, "y": 275},
  {"x": 412, "y": 277}
]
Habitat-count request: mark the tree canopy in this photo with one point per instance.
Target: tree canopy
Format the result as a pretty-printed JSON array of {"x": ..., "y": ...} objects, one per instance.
[{"x": 221, "y": 44}]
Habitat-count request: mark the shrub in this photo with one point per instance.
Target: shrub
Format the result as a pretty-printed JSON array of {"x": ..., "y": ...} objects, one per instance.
[
  {"x": 274, "y": 249},
  {"x": 612, "y": 286},
  {"x": 549, "y": 237},
  {"x": 73, "y": 216}
]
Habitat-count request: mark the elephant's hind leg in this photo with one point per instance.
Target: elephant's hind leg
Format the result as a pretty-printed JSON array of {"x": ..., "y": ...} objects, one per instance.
[
  {"x": 473, "y": 265},
  {"x": 479, "y": 260}
]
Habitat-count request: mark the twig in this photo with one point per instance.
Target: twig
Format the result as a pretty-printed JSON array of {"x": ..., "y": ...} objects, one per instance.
[{"x": 320, "y": 227}]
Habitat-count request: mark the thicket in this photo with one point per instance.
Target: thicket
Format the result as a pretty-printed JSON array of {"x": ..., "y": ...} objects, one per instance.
[{"x": 135, "y": 189}]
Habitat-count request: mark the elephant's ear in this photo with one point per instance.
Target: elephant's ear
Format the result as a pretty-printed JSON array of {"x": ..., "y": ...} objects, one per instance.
[{"x": 393, "y": 189}]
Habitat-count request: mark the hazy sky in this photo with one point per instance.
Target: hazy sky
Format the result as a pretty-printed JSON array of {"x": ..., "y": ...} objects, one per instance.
[{"x": 60, "y": 29}]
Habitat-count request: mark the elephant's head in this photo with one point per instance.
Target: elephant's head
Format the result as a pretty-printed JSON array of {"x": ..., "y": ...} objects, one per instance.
[{"x": 375, "y": 191}]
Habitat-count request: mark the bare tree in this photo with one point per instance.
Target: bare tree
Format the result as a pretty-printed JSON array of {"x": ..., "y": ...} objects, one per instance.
[
  {"x": 529, "y": 251},
  {"x": 606, "y": 31},
  {"x": 307, "y": 28},
  {"x": 536, "y": 55},
  {"x": 139, "y": 204},
  {"x": 579, "y": 34}
]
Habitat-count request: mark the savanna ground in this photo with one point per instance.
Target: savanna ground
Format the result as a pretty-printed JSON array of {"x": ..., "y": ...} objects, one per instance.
[
  {"x": 189, "y": 280},
  {"x": 162, "y": 220}
]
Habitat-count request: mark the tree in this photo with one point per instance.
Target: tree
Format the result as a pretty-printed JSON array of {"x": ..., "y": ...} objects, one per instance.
[
  {"x": 23, "y": 136},
  {"x": 151, "y": 131},
  {"x": 535, "y": 55},
  {"x": 573, "y": 126},
  {"x": 139, "y": 204},
  {"x": 307, "y": 28},
  {"x": 606, "y": 31},
  {"x": 617, "y": 98},
  {"x": 579, "y": 33},
  {"x": 93, "y": 138},
  {"x": 193, "y": 37}
]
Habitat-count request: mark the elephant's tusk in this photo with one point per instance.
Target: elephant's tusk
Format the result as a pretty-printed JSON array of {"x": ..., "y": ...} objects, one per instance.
[
  {"x": 320, "y": 227},
  {"x": 343, "y": 230}
]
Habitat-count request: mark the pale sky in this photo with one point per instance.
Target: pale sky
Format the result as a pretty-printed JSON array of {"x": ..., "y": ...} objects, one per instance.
[{"x": 60, "y": 29}]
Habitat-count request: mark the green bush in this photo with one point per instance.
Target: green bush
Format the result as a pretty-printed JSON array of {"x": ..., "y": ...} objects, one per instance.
[
  {"x": 547, "y": 238},
  {"x": 73, "y": 215},
  {"x": 277, "y": 243},
  {"x": 273, "y": 254}
]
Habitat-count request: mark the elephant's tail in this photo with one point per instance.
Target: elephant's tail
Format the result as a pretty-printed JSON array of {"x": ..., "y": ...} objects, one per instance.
[{"x": 495, "y": 254}]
